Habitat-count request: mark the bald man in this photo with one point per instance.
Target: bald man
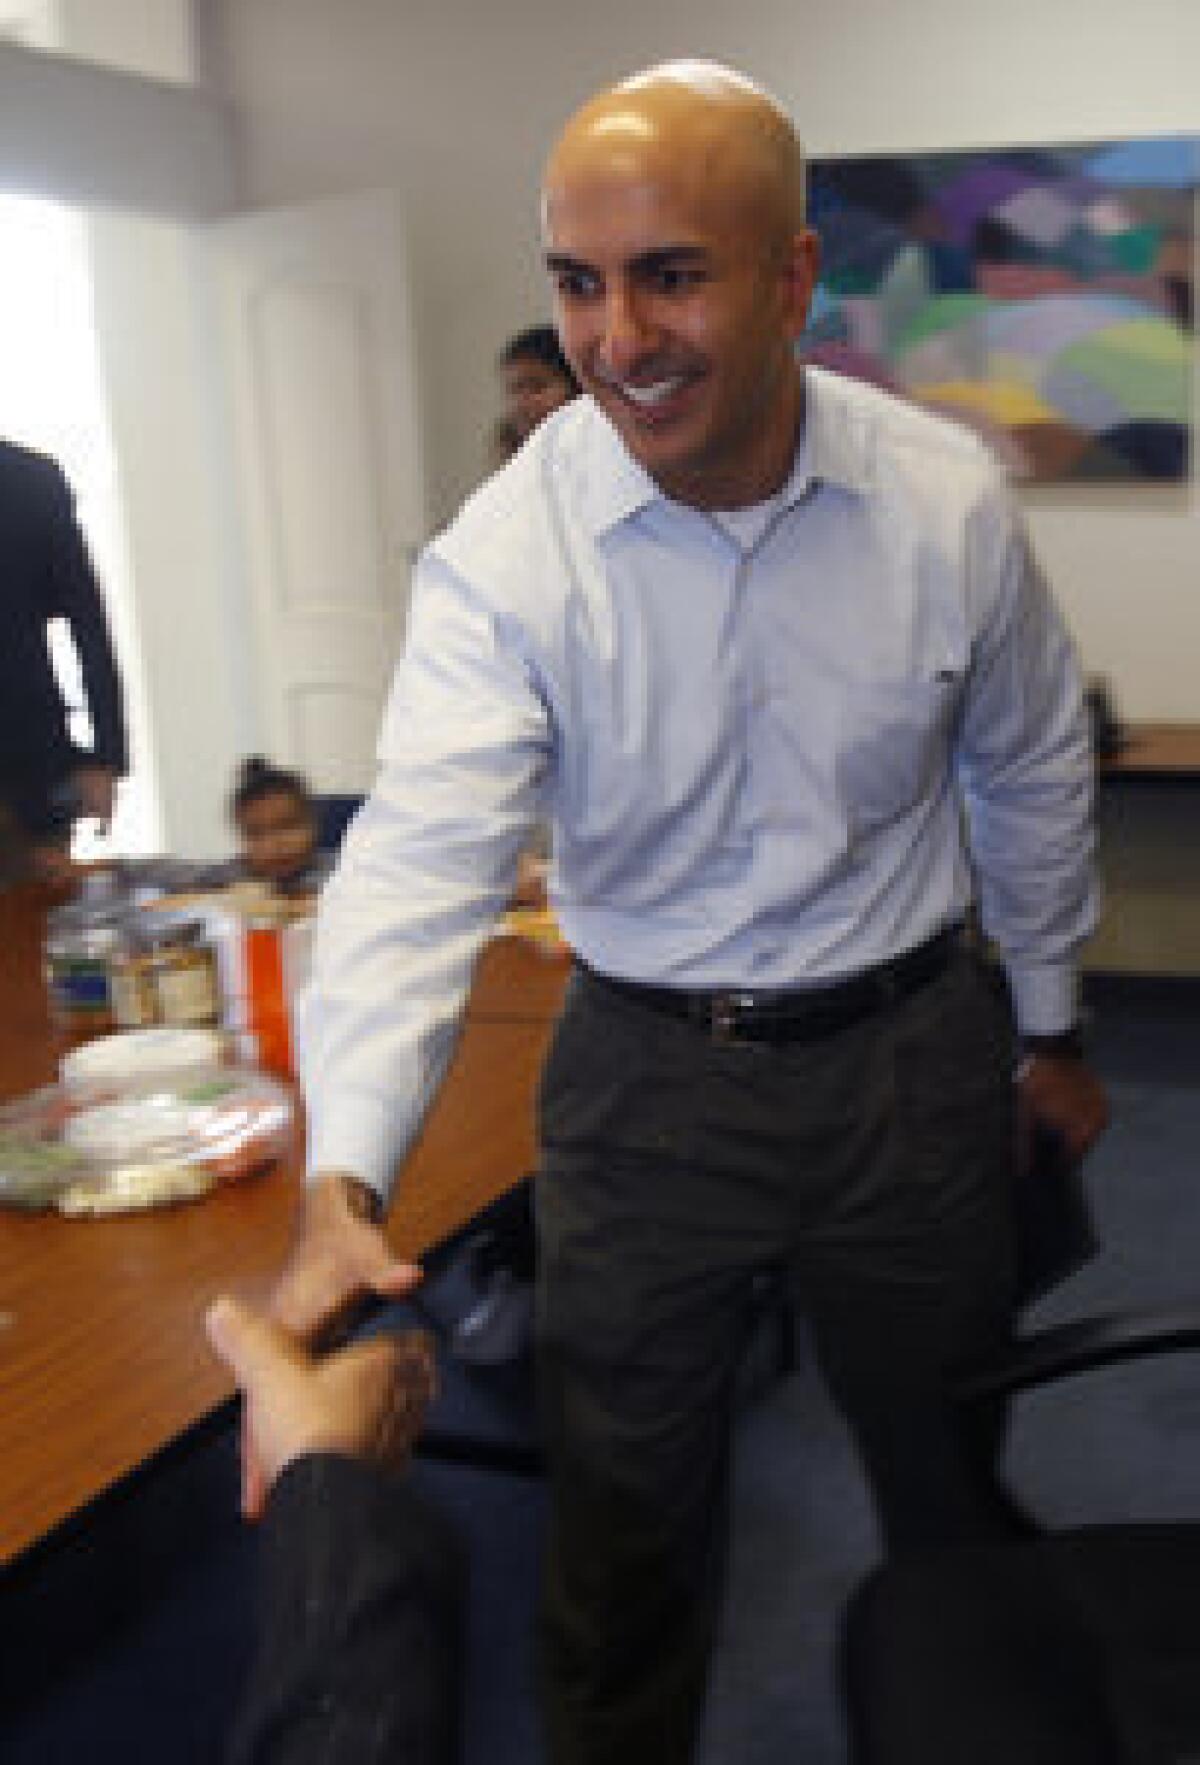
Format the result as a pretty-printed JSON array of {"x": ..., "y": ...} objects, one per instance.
[{"x": 770, "y": 652}]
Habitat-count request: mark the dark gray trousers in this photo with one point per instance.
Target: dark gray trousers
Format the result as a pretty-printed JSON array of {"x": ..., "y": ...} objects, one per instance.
[{"x": 877, "y": 1162}]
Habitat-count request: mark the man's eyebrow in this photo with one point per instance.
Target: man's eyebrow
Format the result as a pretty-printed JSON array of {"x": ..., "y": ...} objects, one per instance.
[
  {"x": 659, "y": 257},
  {"x": 668, "y": 256}
]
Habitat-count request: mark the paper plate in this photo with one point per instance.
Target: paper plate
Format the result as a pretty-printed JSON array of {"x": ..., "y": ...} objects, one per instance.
[{"x": 140, "y": 1054}]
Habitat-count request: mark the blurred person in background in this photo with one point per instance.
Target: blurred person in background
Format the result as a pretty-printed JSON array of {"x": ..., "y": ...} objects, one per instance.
[
  {"x": 537, "y": 379},
  {"x": 274, "y": 814},
  {"x": 48, "y": 780}
]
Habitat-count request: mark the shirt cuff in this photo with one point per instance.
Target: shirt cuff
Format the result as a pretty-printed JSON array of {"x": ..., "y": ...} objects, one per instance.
[
  {"x": 355, "y": 1134},
  {"x": 1045, "y": 998}
]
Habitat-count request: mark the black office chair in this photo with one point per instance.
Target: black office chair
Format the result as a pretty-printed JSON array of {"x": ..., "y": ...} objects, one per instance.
[
  {"x": 334, "y": 815},
  {"x": 1079, "y": 1647}
]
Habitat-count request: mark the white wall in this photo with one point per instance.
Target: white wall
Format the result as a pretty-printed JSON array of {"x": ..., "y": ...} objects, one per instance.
[
  {"x": 193, "y": 636},
  {"x": 456, "y": 103},
  {"x": 86, "y": 134},
  {"x": 149, "y": 37}
]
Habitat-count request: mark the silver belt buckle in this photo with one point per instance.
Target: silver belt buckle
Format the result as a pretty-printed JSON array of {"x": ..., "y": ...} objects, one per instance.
[{"x": 725, "y": 1015}]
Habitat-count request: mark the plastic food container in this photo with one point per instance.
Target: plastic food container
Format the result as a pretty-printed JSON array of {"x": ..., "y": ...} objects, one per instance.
[{"x": 116, "y": 1148}]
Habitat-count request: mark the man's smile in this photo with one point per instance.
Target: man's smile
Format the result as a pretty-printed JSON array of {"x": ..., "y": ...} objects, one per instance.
[{"x": 651, "y": 402}]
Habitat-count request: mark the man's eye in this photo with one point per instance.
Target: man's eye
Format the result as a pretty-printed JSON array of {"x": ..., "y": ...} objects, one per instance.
[
  {"x": 677, "y": 278},
  {"x": 575, "y": 284}
]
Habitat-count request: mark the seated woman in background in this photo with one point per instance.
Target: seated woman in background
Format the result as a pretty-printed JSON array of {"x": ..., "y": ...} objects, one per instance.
[{"x": 275, "y": 816}]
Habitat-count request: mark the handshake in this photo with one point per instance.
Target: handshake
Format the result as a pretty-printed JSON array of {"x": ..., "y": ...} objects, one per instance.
[
  {"x": 358, "y": 1658},
  {"x": 366, "y": 1401}
]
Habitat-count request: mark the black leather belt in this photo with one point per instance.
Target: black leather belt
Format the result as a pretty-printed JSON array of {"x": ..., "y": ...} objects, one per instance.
[{"x": 796, "y": 1014}]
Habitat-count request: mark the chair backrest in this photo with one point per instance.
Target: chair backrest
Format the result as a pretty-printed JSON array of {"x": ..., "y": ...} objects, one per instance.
[{"x": 334, "y": 815}]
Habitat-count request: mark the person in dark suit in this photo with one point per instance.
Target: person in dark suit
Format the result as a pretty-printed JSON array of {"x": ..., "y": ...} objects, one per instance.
[
  {"x": 361, "y": 1621},
  {"x": 46, "y": 779}
]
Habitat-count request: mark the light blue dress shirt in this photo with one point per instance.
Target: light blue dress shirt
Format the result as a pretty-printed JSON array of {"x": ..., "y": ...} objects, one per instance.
[{"x": 775, "y": 747}]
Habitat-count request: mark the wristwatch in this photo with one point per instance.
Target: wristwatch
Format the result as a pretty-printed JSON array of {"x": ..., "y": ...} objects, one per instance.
[
  {"x": 1066, "y": 1045},
  {"x": 364, "y": 1202}
]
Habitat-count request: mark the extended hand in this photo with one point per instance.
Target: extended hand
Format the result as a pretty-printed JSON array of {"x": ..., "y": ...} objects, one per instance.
[
  {"x": 97, "y": 789},
  {"x": 531, "y": 882},
  {"x": 366, "y": 1401},
  {"x": 54, "y": 866},
  {"x": 341, "y": 1255},
  {"x": 1061, "y": 1093}
]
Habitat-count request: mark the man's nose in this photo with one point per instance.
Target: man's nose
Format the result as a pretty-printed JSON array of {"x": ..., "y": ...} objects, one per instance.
[{"x": 627, "y": 331}]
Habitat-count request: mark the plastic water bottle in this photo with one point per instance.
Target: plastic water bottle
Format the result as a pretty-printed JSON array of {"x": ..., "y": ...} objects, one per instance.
[{"x": 81, "y": 941}]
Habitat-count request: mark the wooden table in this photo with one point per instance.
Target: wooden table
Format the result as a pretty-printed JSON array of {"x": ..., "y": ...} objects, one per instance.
[
  {"x": 1157, "y": 751},
  {"x": 1150, "y": 854},
  {"x": 103, "y": 1361}
]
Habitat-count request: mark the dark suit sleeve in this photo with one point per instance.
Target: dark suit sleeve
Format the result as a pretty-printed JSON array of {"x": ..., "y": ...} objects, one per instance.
[
  {"x": 360, "y": 1649},
  {"x": 73, "y": 594}
]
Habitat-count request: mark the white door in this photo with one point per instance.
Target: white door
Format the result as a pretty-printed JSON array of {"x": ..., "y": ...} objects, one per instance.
[{"x": 314, "y": 313}]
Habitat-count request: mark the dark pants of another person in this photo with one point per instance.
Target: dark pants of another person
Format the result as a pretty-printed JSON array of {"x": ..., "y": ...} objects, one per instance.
[{"x": 877, "y": 1161}]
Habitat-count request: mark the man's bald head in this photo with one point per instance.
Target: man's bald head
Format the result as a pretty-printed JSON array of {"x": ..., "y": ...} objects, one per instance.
[
  {"x": 673, "y": 226},
  {"x": 718, "y": 124}
]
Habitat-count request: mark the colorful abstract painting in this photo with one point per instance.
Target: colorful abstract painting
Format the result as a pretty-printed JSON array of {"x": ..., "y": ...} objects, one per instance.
[{"x": 1044, "y": 295}]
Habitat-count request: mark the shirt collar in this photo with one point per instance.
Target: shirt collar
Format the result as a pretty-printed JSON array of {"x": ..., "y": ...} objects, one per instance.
[
  {"x": 838, "y": 432},
  {"x": 832, "y": 448}
]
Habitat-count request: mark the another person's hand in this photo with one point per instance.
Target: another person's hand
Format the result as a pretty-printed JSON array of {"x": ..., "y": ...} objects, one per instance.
[
  {"x": 365, "y": 1401},
  {"x": 341, "y": 1255},
  {"x": 53, "y": 865},
  {"x": 96, "y": 788},
  {"x": 1061, "y": 1093}
]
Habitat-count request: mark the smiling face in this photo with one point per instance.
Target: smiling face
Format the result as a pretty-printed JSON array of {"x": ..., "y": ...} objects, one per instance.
[{"x": 682, "y": 278}]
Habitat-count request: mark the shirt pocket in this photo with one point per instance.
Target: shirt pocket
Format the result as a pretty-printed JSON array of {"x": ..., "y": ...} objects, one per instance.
[{"x": 893, "y": 748}]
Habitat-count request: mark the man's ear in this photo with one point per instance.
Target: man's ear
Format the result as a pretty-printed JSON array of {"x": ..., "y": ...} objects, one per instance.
[{"x": 801, "y": 269}]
